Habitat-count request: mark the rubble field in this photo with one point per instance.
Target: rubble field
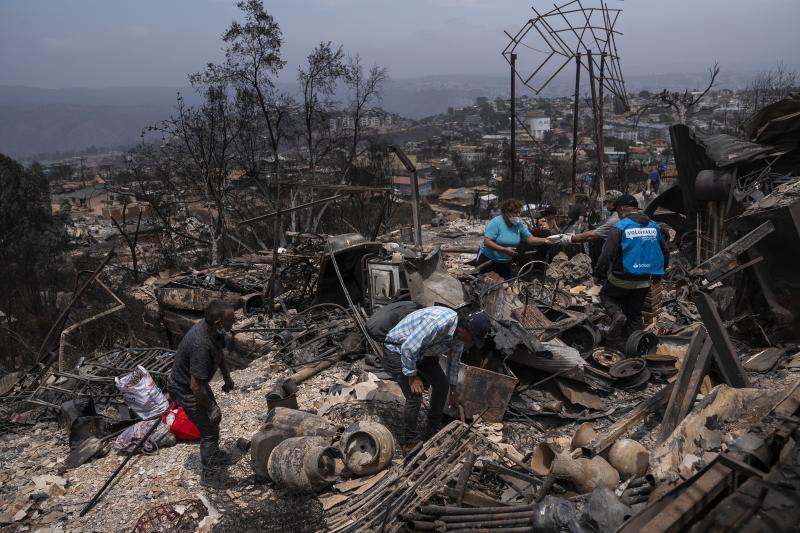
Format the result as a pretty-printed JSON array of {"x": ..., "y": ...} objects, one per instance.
[{"x": 558, "y": 423}]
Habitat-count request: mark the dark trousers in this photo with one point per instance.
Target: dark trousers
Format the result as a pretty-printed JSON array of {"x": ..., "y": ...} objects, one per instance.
[
  {"x": 629, "y": 302},
  {"x": 209, "y": 433},
  {"x": 428, "y": 369},
  {"x": 487, "y": 265}
]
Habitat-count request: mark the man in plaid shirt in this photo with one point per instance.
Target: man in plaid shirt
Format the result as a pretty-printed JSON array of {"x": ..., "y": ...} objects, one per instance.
[{"x": 411, "y": 352}]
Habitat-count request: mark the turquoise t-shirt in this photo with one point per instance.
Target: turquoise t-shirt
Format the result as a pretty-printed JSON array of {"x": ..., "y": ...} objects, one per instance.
[{"x": 498, "y": 231}]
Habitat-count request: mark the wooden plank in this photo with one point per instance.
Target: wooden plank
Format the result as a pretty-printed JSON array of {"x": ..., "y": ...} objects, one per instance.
[
  {"x": 604, "y": 441},
  {"x": 695, "y": 500},
  {"x": 687, "y": 383},
  {"x": 790, "y": 404},
  {"x": 725, "y": 357}
]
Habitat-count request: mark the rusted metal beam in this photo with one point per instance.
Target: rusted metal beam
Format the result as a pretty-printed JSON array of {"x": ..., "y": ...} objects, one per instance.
[
  {"x": 291, "y": 209},
  {"x": 59, "y": 323}
]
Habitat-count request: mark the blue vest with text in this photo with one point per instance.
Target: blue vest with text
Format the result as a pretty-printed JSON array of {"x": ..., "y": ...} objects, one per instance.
[{"x": 641, "y": 251}]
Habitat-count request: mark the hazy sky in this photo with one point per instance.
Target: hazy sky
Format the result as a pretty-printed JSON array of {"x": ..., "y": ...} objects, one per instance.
[{"x": 106, "y": 43}]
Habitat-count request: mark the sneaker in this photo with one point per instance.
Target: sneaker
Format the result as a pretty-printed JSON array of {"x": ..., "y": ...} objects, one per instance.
[{"x": 617, "y": 321}]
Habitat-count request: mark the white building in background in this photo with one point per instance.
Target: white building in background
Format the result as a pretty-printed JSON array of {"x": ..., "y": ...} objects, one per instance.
[{"x": 538, "y": 125}]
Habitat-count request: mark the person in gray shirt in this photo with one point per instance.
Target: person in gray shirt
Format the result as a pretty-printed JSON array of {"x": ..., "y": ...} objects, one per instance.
[{"x": 199, "y": 355}]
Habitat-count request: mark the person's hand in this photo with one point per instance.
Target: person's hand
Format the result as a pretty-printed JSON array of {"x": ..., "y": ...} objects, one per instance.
[
  {"x": 416, "y": 385},
  {"x": 554, "y": 239},
  {"x": 567, "y": 238},
  {"x": 510, "y": 251},
  {"x": 452, "y": 401},
  {"x": 214, "y": 414},
  {"x": 637, "y": 491},
  {"x": 228, "y": 386}
]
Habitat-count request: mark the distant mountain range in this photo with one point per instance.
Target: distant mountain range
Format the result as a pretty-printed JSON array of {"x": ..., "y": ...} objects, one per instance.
[{"x": 37, "y": 121}]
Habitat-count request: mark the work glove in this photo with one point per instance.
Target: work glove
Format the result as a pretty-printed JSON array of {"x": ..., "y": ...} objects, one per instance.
[
  {"x": 554, "y": 239},
  {"x": 214, "y": 414},
  {"x": 566, "y": 238}
]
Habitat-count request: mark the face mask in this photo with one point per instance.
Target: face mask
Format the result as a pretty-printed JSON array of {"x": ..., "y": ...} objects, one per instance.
[{"x": 516, "y": 220}]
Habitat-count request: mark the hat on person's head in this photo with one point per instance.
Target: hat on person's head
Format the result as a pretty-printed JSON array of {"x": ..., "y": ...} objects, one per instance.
[
  {"x": 611, "y": 196},
  {"x": 626, "y": 200},
  {"x": 478, "y": 324}
]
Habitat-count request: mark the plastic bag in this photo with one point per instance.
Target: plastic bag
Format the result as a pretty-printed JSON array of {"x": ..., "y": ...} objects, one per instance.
[
  {"x": 160, "y": 438},
  {"x": 179, "y": 423},
  {"x": 142, "y": 394}
]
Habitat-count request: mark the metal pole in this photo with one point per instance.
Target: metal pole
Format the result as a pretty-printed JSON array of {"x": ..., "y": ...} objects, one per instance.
[
  {"x": 415, "y": 209},
  {"x": 594, "y": 113},
  {"x": 575, "y": 122},
  {"x": 120, "y": 467},
  {"x": 274, "y": 274},
  {"x": 414, "y": 193},
  {"x": 512, "y": 167},
  {"x": 601, "y": 148}
]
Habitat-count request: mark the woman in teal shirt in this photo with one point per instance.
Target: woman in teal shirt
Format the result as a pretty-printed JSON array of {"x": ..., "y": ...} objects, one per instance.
[{"x": 501, "y": 237}]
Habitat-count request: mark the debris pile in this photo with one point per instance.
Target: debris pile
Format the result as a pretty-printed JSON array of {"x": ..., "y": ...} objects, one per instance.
[{"x": 554, "y": 423}]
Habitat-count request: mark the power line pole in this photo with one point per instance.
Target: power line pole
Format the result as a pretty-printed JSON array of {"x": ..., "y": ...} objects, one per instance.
[
  {"x": 512, "y": 168},
  {"x": 575, "y": 123},
  {"x": 601, "y": 148}
]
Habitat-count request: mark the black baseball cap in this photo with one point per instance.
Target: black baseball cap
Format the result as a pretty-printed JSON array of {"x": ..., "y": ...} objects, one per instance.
[
  {"x": 479, "y": 325},
  {"x": 626, "y": 200}
]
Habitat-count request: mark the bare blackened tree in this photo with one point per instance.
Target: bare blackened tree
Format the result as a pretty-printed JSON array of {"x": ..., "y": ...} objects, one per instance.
[
  {"x": 769, "y": 87},
  {"x": 201, "y": 147},
  {"x": 130, "y": 239},
  {"x": 252, "y": 63},
  {"x": 684, "y": 103},
  {"x": 365, "y": 89},
  {"x": 318, "y": 79}
]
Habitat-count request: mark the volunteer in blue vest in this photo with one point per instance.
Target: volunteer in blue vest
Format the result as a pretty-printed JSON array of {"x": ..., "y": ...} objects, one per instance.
[
  {"x": 634, "y": 255},
  {"x": 501, "y": 237}
]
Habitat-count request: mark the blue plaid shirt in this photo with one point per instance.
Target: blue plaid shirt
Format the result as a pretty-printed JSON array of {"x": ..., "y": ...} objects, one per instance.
[{"x": 426, "y": 328}]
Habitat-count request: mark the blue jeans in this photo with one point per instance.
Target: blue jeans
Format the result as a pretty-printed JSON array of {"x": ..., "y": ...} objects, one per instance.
[{"x": 428, "y": 368}]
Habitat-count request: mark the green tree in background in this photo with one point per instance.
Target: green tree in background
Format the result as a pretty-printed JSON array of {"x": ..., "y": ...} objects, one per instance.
[{"x": 32, "y": 244}]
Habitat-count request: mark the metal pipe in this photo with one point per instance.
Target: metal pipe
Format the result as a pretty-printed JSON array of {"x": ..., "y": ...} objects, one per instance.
[
  {"x": 495, "y": 517},
  {"x": 290, "y": 210},
  {"x": 61, "y": 320},
  {"x": 455, "y": 526},
  {"x": 138, "y": 447},
  {"x": 449, "y": 510},
  {"x": 524, "y": 529},
  {"x": 414, "y": 193}
]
